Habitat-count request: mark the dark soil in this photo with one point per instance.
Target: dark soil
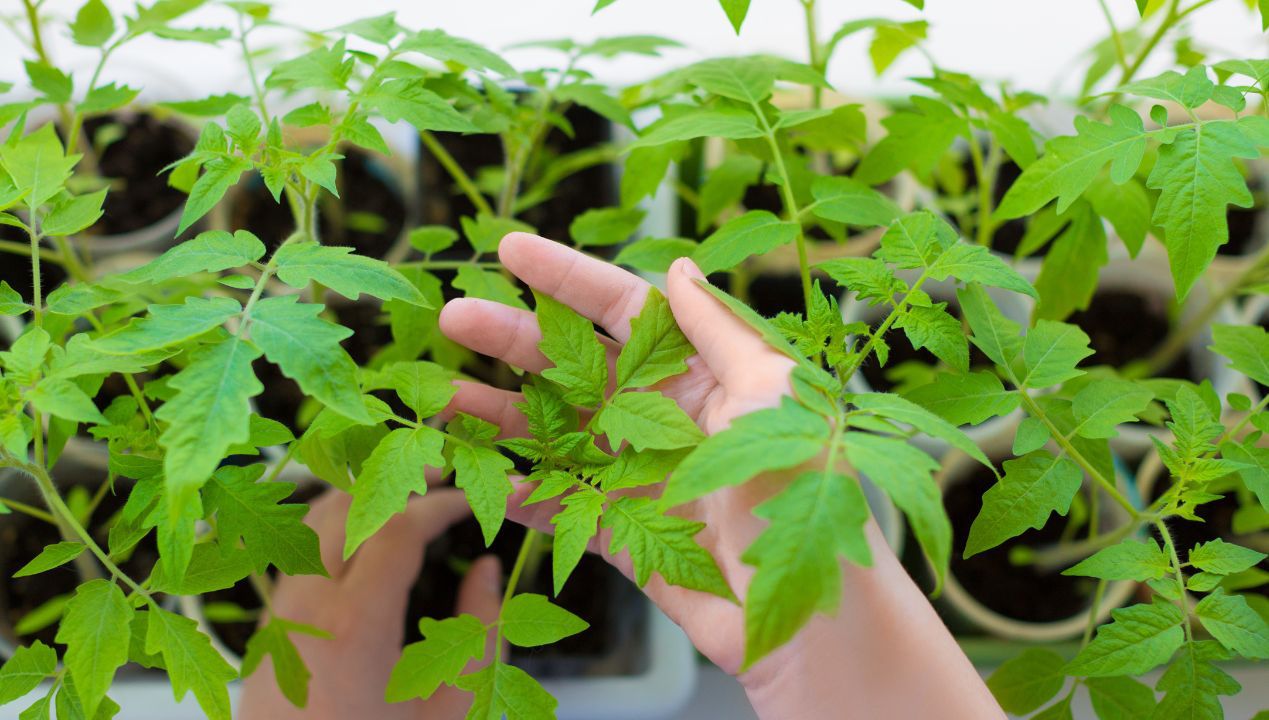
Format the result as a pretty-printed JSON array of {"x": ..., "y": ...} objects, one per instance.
[
  {"x": 139, "y": 195},
  {"x": 371, "y": 332},
  {"x": 595, "y": 187},
  {"x": 1020, "y": 592},
  {"x": 281, "y": 398},
  {"x": 367, "y": 193},
  {"x": 1124, "y": 326},
  {"x": 1008, "y": 235}
]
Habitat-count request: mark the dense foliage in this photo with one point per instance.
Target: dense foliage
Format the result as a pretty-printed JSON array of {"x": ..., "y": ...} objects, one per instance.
[{"x": 188, "y": 332}]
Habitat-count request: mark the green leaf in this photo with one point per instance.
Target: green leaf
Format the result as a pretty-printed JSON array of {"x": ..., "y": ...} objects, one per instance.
[
  {"x": 426, "y": 388},
  {"x": 850, "y": 201},
  {"x": 485, "y": 232},
  {"x": 488, "y": 285},
  {"x": 1051, "y": 352},
  {"x": 168, "y": 325},
  {"x": 447, "y": 48},
  {"x": 663, "y": 544},
  {"x": 506, "y": 691},
  {"x": 1141, "y": 638},
  {"x": 37, "y": 165},
  {"x": 11, "y": 303},
  {"x": 1120, "y": 698},
  {"x": 25, "y": 669},
  {"x": 481, "y": 473},
  {"x": 392, "y": 472},
  {"x": 1246, "y": 346},
  {"x": 1105, "y": 403},
  {"x": 723, "y": 122},
  {"x": 324, "y": 68},
  {"x": 770, "y": 439},
  {"x": 1192, "y": 684},
  {"x": 647, "y": 420},
  {"x": 967, "y": 399},
  {"x": 211, "y": 106},
  {"x": 1232, "y": 622},
  {"x": 1032, "y": 487},
  {"x": 432, "y": 238},
  {"x": 605, "y": 226},
  {"x": 1222, "y": 558},
  {"x": 306, "y": 348},
  {"x": 211, "y": 568},
  {"x": 272, "y": 532},
  {"x": 736, "y": 11},
  {"x": 656, "y": 349},
  {"x": 209, "y": 413},
  {"x": 725, "y": 187},
  {"x": 289, "y": 671},
  {"x": 531, "y": 620},
  {"x": 975, "y": 263},
  {"x": 996, "y": 335},
  {"x": 446, "y": 648},
  {"x": 904, "y": 473},
  {"x": 191, "y": 662},
  {"x": 1071, "y": 163},
  {"x": 1189, "y": 90},
  {"x": 96, "y": 630},
  {"x": 210, "y": 251},
  {"x": 1128, "y": 560},
  {"x": 1024, "y": 683},
  {"x": 1032, "y": 434},
  {"x": 579, "y": 358},
  {"x": 906, "y": 411},
  {"x": 53, "y": 556},
  {"x": 597, "y": 98},
  {"x": 754, "y": 233},
  {"x": 891, "y": 39},
  {"x": 348, "y": 274},
  {"x": 747, "y": 79},
  {"x": 916, "y": 140},
  {"x": 933, "y": 328},
  {"x": 575, "y": 526},
  {"x": 94, "y": 25},
  {"x": 219, "y": 174},
  {"x": 408, "y": 100},
  {"x": 106, "y": 98},
  {"x": 816, "y": 520},
  {"x": 380, "y": 29},
  {"x": 52, "y": 82},
  {"x": 64, "y": 399},
  {"x": 1068, "y": 277},
  {"x": 1197, "y": 178},
  {"x": 73, "y": 215}
]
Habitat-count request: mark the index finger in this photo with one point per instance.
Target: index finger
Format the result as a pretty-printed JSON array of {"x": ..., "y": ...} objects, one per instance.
[{"x": 603, "y": 293}]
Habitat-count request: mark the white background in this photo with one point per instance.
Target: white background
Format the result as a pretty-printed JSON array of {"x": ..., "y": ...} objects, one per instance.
[{"x": 1035, "y": 44}]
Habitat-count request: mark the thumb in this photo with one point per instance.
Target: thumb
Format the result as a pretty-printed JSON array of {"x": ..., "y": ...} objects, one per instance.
[
  {"x": 480, "y": 594},
  {"x": 734, "y": 352}
]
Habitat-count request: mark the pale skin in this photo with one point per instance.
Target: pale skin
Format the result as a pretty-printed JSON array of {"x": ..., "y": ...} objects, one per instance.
[{"x": 883, "y": 654}]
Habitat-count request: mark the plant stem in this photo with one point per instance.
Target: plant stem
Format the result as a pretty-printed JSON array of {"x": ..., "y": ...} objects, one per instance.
[
  {"x": 1169, "y": 19},
  {"x": 985, "y": 174},
  {"x": 450, "y": 264},
  {"x": 37, "y": 296},
  {"x": 1034, "y": 410},
  {"x": 24, "y": 249},
  {"x": 31, "y": 510},
  {"x": 522, "y": 558},
  {"x": 791, "y": 210},
  {"x": 1176, "y": 569},
  {"x": 251, "y": 69},
  {"x": 814, "y": 51},
  {"x": 881, "y": 330},
  {"x": 1063, "y": 555},
  {"x": 456, "y": 172},
  {"x": 1116, "y": 37},
  {"x": 1093, "y": 611}
]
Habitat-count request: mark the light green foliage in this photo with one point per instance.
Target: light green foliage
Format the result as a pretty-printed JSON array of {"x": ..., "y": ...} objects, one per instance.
[
  {"x": 1103, "y": 404},
  {"x": 51, "y": 557},
  {"x": 168, "y": 325},
  {"x": 1192, "y": 683},
  {"x": 1032, "y": 487},
  {"x": 1234, "y": 624},
  {"x": 446, "y": 648},
  {"x": 481, "y": 472},
  {"x": 272, "y": 532},
  {"x": 289, "y": 670},
  {"x": 754, "y": 233},
  {"x": 388, "y": 476},
  {"x": 1024, "y": 683},
  {"x": 1141, "y": 638},
  {"x": 1051, "y": 352},
  {"x": 662, "y": 544},
  {"x": 1222, "y": 558},
  {"x": 569, "y": 342},
  {"x": 656, "y": 349},
  {"x": 605, "y": 226},
  {"x": 647, "y": 420},
  {"x": 1128, "y": 560},
  {"x": 531, "y": 620},
  {"x": 191, "y": 662},
  {"x": 967, "y": 399},
  {"x": 506, "y": 691},
  {"x": 347, "y": 274},
  {"x": 95, "y": 630},
  {"x": 1119, "y": 698},
  {"x": 25, "y": 669}
]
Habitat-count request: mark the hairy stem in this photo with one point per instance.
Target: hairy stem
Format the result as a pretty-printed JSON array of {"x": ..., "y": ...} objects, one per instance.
[
  {"x": 791, "y": 210},
  {"x": 522, "y": 559},
  {"x": 1170, "y": 547},
  {"x": 985, "y": 173},
  {"x": 24, "y": 249}
]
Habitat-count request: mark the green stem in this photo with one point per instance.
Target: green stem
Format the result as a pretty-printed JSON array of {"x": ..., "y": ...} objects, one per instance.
[
  {"x": 522, "y": 558},
  {"x": 24, "y": 249},
  {"x": 1114, "y": 34},
  {"x": 1062, "y": 556},
  {"x": 456, "y": 172},
  {"x": 1034, "y": 410},
  {"x": 881, "y": 330},
  {"x": 37, "y": 295},
  {"x": 791, "y": 210},
  {"x": 985, "y": 174},
  {"x": 814, "y": 51},
  {"x": 1094, "y": 611},
  {"x": 1170, "y": 18},
  {"x": 30, "y": 510},
  {"x": 1176, "y": 572},
  {"x": 256, "y": 87}
]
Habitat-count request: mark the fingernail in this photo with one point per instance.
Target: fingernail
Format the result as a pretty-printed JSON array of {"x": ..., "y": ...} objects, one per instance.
[{"x": 691, "y": 270}]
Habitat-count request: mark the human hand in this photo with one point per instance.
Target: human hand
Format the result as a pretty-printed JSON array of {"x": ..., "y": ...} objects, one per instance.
[
  {"x": 884, "y": 652},
  {"x": 363, "y": 606}
]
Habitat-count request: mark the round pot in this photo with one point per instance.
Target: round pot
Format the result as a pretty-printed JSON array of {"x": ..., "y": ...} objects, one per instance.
[
  {"x": 1142, "y": 292},
  {"x": 1014, "y": 306},
  {"x": 1067, "y": 614}
]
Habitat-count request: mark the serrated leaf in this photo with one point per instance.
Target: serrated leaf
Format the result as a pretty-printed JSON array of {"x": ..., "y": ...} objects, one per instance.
[
  {"x": 934, "y": 329},
  {"x": 1222, "y": 558},
  {"x": 1051, "y": 352},
  {"x": 1023, "y": 683},
  {"x": 1192, "y": 684},
  {"x": 647, "y": 420},
  {"x": 447, "y": 646},
  {"x": 605, "y": 226},
  {"x": 25, "y": 669},
  {"x": 1106, "y": 403},
  {"x": 346, "y": 273},
  {"x": 663, "y": 544},
  {"x": 656, "y": 349},
  {"x": 967, "y": 399},
  {"x": 1232, "y": 622},
  {"x": 426, "y": 388},
  {"x": 306, "y": 348},
  {"x": 814, "y": 522},
  {"x": 906, "y": 411},
  {"x": 219, "y": 174},
  {"x": 272, "y": 532},
  {"x": 1141, "y": 638},
  {"x": 1246, "y": 346},
  {"x": 916, "y": 139},
  {"x": 191, "y": 662},
  {"x": 37, "y": 165},
  {"x": 754, "y": 233},
  {"x": 1127, "y": 560},
  {"x": 389, "y": 475},
  {"x": 579, "y": 358},
  {"x": 1032, "y": 487},
  {"x": 53, "y": 556},
  {"x": 211, "y": 568},
  {"x": 73, "y": 215},
  {"x": 167, "y": 325},
  {"x": 210, "y": 251},
  {"x": 506, "y": 691},
  {"x": 64, "y": 399},
  {"x": 93, "y": 24},
  {"x": 407, "y": 99},
  {"x": 479, "y": 283},
  {"x": 1120, "y": 698},
  {"x": 95, "y": 630},
  {"x": 575, "y": 526},
  {"x": 442, "y": 46},
  {"x": 1189, "y": 90},
  {"x": 728, "y": 123},
  {"x": 769, "y": 439},
  {"x": 289, "y": 671},
  {"x": 481, "y": 473},
  {"x": 209, "y": 413},
  {"x": 531, "y": 620},
  {"x": 850, "y": 201},
  {"x": 996, "y": 335}
]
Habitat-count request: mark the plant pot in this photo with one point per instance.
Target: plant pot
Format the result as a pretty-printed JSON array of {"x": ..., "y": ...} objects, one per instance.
[
  {"x": 988, "y": 594},
  {"x": 871, "y": 377},
  {"x": 1128, "y": 320}
]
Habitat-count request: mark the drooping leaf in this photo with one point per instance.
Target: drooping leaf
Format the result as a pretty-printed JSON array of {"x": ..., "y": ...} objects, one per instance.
[
  {"x": 407, "y": 99},
  {"x": 575, "y": 526},
  {"x": 1193, "y": 683},
  {"x": 481, "y": 473},
  {"x": 251, "y": 512},
  {"x": 392, "y": 472},
  {"x": 916, "y": 139},
  {"x": 1032, "y": 487},
  {"x": 1023, "y": 683},
  {"x": 289, "y": 671},
  {"x": 1127, "y": 560},
  {"x": 191, "y": 661},
  {"x": 1141, "y": 638},
  {"x": 663, "y": 544},
  {"x": 95, "y": 630},
  {"x": 446, "y": 648}
]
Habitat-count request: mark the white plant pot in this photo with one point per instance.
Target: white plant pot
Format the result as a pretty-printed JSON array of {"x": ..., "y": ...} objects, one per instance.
[
  {"x": 957, "y": 466},
  {"x": 1014, "y": 306}
]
